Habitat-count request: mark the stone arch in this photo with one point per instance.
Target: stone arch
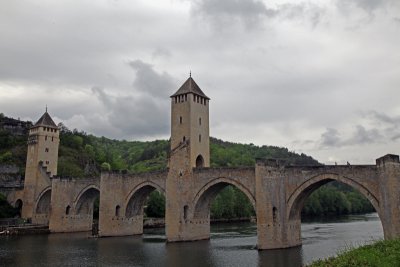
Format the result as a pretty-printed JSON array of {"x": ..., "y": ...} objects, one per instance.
[
  {"x": 85, "y": 201},
  {"x": 137, "y": 198},
  {"x": 203, "y": 199},
  {"x": 199, "y": 161},
  {"x": 43, "y": 202},
  {"x": 297, "y": 199}
]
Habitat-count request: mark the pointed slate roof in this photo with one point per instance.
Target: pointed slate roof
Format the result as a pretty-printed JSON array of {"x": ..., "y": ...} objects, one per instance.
[
  {"x": 45, "y": 120},
  {"x": 190, "y": 86}
]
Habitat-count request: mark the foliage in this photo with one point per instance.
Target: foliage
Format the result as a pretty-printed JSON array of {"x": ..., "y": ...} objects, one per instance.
[
  {"x": 382, "y": 253},
  {"x": 105, "y": 166},
  {"x": 6, "y": 210},
  {"x": 335, "y": 199},
  {"x": 155, "y": 205},
  {"x": 231, "y": 203},
  {"x": 82, "y": 155}
]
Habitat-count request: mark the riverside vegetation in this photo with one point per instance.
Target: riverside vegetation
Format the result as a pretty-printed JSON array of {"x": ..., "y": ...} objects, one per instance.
[
  {"x": 85, "y": 155},
  {"x": 382, "y": 253}
]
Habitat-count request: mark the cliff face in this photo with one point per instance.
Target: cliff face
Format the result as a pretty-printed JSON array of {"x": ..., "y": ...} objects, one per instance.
[
  {"x": 14, "y": 126},
  {"x": 10, "y": 178}
]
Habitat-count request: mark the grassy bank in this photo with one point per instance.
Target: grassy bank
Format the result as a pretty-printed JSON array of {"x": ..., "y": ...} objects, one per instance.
[{"x": 384, "y": 253}]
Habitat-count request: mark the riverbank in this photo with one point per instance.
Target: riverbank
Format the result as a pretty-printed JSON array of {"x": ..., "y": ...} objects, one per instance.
[{"x": 381, "y": 253}]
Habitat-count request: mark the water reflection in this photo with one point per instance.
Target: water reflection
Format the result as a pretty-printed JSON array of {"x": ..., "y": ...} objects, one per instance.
[
  {"x": 230, "y": 245},
  {"x": 290, "y": 257}
]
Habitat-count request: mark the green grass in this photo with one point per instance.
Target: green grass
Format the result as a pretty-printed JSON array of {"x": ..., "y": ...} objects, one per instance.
[{"x": 385, "y": 253}]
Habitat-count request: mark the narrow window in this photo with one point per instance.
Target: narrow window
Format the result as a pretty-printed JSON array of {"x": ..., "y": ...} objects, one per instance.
[
  {"x": 274, "y": 214},
  {"x": 67, "y": 210},
  {"x": 184, "y": 138},
  {"x": 52, "y": 139},
  {"x": 199, "y": 138},
  {"x": 117, "y": 210},
  {"x": 180, "y": 120},
  {"x": 185, "y": 97},
  {"x": 47, "y": 162},
  {"x": 45, "y": 138},
  {"x": 46, "y": 149},
  {"x": 199, "y": 121},
  {"x": 185, "y": 212}
]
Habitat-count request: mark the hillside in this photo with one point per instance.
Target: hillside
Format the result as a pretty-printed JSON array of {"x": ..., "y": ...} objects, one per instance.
[{"x": 84, "y": 155}]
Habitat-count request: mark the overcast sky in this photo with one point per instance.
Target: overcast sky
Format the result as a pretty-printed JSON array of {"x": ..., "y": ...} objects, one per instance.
[{"x": 320, "y": 77}]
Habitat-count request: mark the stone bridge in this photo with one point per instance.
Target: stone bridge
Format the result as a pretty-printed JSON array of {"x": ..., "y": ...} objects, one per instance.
[{"x": 277, "y": 191}]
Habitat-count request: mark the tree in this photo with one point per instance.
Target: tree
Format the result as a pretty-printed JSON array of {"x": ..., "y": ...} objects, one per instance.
[
  {"x": 105, "y": 166},
  {"x": 155, "y": 205}
]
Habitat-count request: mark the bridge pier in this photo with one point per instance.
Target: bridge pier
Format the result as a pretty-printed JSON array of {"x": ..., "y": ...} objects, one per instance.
[
  {"x": 389, "y": 186},
  {"x": 274, "y": 230}
]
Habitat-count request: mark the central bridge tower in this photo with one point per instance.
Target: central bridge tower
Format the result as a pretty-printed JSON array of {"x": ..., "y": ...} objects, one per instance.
[{"x": 190, "y": 148}]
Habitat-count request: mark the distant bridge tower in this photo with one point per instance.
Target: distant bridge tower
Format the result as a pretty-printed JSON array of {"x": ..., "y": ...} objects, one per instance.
[
  {"x": 41, "y": 164},
  {"x": 190, "y": 148}
]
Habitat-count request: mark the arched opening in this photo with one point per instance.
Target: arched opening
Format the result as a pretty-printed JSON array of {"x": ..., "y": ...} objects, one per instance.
[
  {"x": 88, "y": 204},
  {"x": 199, "y": 161},
  {"x": 330, "y": 205},
  {"x": 67, "y": 210},
  {"x": 18, "y": 206},
  {"x": 117, "y": 210},
  {"x": 221, "y": 199},
  {"x": 43, "y": 205},
  {"x": 147, "y": 200}
]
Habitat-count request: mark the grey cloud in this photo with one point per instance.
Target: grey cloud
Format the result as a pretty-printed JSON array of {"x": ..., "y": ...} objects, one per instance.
[
  {"x": 330, "y": 138},
  {"x": 223, "y": 11},
  {"x": 139, "y": 115},
  {"x": 363, "y": 136},
  {"x": 150, "y": 82}
]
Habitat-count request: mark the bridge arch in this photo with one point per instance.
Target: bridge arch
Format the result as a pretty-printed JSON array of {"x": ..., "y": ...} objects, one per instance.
[
  {"x": 203, "y": 199},
  {"x": 138, "y": 196},
  {"x": 298, "y": 197},
  {"x": 43, "y": 201},
  {"x": 84, "y": 202}
]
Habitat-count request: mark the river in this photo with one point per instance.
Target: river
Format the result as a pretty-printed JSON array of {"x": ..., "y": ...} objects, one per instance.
[{"x": 230, "y": 245}]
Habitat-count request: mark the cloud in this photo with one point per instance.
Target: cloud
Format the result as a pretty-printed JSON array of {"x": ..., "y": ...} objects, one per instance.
[
  {"x": 150, "y": 82},
  {"x": 330, "y": 138},
  {"x": 223, "y": 12},
  {"x": 141, "y": 114}
]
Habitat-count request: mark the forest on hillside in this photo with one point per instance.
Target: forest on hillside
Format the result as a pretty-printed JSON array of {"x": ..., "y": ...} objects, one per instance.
[{"x": 85, "y": 155}]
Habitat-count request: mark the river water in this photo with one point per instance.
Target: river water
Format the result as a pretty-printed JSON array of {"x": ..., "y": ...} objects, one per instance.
[{"x": 230, "y": 245}]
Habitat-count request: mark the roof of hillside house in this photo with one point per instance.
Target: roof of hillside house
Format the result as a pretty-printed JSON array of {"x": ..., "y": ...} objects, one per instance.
[{"x": 190, "y": 86}]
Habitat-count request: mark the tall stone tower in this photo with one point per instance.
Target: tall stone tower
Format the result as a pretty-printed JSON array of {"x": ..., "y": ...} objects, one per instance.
[
  {"x": 190, "y": 149},
  {"x": 190, "y": 123},
  {"x": 41, "y": 161}
]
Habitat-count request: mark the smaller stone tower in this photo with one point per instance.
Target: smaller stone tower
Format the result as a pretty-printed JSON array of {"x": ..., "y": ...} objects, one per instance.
[
  {"x": 41, "y": 161},
  {"x": 190, "y": 122}
]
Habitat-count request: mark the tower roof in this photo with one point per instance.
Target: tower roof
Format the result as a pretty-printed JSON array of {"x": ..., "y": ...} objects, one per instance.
[
  {"x": 190, "y": 86},
  {"x": 45, "y": 120}
]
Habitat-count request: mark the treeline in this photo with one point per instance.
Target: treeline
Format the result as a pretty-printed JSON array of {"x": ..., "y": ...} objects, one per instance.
[
  {"x": 329, "y": 200},
  {"x": 83, "y": 155},
  {"x": 336, "y": 199}
]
